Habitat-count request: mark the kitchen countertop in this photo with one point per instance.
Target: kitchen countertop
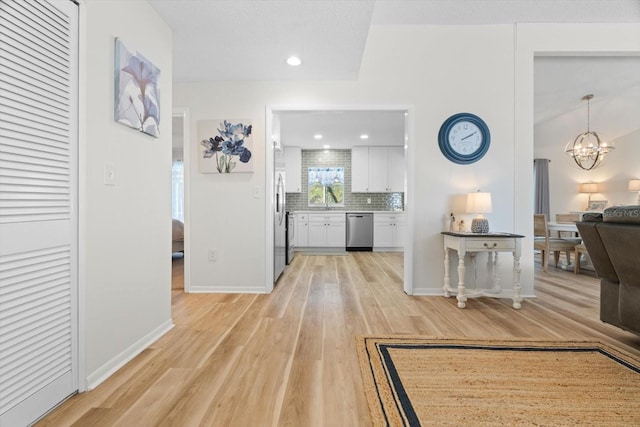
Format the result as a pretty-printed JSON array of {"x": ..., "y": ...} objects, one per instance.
[{"x": 331, "y": 211}]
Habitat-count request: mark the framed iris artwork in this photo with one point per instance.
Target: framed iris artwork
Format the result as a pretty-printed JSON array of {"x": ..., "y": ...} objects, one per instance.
[
  {"x": 137, "y": 95},
  {"x": 225, "y": 146}
]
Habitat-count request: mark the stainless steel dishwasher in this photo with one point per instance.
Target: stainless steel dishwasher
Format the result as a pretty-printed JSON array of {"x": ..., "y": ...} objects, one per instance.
[{"x": 359, "y": 231}]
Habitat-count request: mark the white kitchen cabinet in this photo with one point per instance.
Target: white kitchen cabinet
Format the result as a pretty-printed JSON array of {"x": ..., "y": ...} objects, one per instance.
[
  {"x": 337, "y": 234},
  {"x": 293, "y": 169},
  {"x": 389, "y": 230},
  {"x": 302, "y": 230},
  {"x": 396, "y": 169},
  {"x": 359, "y": 169},
  {"x": 327, "y": 230},
  {"x": 377, "y": 169},
  {"x": 317, "y": 234}
]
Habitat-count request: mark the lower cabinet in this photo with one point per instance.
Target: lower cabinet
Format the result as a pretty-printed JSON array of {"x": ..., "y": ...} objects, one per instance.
[
  {"x": 327, "y": 230},
  {"x": 302, "y": 230},
  {"x": 389, "y": 230}
]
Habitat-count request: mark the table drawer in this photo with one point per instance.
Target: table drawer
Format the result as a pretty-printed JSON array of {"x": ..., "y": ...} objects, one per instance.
[{"x": 490, "y": 244}]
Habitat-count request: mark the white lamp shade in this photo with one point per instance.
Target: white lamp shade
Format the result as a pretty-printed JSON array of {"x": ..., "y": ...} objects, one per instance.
[
  {"x": 589, "y": 187},
  {"x": 478, "y": 203},
  {"x": 634, "y": 185}
]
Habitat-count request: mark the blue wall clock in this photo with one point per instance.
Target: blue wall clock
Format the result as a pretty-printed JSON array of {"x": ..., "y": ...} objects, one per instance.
[{"x": 464, "y": 138}]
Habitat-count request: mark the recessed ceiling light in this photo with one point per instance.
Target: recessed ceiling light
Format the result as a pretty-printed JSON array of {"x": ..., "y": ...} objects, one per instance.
[
  {"x": 294, "y": 61},
  {"x": 326, "y": 146},
  {"x": 364, "y": 136},
  {"x": 317, "y": 136}
]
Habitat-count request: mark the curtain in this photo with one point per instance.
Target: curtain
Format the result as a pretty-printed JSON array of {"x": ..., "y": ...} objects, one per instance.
[
  {"x": 541, "y": 186},
  {"x": 177, "y": 190}
]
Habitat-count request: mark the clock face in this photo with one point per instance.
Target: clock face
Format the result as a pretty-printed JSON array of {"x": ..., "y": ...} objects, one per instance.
[{"x": 464, "y": 138}]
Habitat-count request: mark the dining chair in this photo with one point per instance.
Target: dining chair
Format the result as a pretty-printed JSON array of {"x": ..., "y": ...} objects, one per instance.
[
  {"x": 579, "y": 250},
  {"x": 546, "y": 244},
  {"x": 568, "y": 217}
]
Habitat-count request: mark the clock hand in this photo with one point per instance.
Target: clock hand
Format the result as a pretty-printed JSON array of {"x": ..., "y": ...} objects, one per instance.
[{"x": 471, "y": 134}]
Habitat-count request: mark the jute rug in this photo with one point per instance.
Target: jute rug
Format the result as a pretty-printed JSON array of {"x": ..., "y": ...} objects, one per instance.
[{"x": 412, "y": 381}]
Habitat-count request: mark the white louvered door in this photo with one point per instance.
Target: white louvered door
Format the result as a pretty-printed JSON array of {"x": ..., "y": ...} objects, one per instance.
[{"x": 38, "y": 213}]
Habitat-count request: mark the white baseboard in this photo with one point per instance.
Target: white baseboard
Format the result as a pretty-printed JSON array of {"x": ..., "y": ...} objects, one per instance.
[
  {"x": 105, "y": 371},
  {"x": 213, "y": 289}
]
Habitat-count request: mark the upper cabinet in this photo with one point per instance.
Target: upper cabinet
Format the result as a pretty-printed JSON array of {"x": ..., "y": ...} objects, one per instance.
[
  {"x": 293, "y": 169},
  {"x": 359, "y": 169},
  {"x": 377, "y": 169}
]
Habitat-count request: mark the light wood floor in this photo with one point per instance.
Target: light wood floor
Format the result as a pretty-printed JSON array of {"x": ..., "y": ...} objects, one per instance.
[{"x": 288, "y": 358}]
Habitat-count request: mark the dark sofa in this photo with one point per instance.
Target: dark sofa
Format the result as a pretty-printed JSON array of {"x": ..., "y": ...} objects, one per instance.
[{"x": 613, "y": 242}]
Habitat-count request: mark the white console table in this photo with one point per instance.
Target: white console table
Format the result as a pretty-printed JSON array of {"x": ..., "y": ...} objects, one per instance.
[{"x": 492, "y": 243}]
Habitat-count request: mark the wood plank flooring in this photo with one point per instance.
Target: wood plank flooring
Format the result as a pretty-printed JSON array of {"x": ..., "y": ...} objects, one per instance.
[{"x": 288, "y": 358}]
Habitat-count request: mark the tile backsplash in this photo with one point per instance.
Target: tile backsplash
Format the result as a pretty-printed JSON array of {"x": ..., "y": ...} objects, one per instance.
[{"x": 352, "y": 201}]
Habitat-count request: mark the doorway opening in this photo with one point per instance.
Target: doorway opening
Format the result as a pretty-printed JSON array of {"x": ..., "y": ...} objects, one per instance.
[
  {"x": 178, "y": 174},
  {"x": 281, "y": 121}
]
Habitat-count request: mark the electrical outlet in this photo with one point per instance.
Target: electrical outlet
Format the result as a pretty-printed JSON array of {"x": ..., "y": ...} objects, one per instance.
[
  {"x": 213, "y": 255},
  {"x": 369, "y": 200}
]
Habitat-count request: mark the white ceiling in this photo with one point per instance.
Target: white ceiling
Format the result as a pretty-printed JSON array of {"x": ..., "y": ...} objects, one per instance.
[
  {"x": 251, "y": 39},
  {"x": 221, "y": 40},
  {"x": 560, "y": 83},
  {"x": 341, "y": 129}
]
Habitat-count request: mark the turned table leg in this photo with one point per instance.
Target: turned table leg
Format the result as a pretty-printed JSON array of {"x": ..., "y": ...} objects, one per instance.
[
  {"x": 517, "y": 299},
  {"x": 461, "y": 297},
  {"x": 447, "y": 274}
]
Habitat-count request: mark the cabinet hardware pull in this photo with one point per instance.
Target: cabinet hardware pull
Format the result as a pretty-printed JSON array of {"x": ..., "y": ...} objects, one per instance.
[{"x": 494, "y": 245}]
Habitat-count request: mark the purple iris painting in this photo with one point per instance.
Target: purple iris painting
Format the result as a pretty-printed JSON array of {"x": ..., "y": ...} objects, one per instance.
[
  {"x": 226, "y": 146},
  {"x": 137, "y": 97}
]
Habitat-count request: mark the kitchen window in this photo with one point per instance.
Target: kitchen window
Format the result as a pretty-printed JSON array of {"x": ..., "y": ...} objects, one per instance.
[{"x": 326, "y": 186}]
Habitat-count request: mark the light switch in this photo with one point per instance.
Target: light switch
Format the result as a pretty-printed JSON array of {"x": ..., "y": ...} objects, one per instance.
[
  {"x": 256, "y": 192},
  {"x": 109, "y": 173}
]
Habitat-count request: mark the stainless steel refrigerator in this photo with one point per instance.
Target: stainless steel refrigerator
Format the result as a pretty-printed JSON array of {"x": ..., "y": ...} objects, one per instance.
[{"x": 280, "y": 237}]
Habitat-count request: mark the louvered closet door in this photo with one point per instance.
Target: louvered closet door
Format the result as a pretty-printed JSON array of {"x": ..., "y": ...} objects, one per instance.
[{"x": 38, "y": 220}]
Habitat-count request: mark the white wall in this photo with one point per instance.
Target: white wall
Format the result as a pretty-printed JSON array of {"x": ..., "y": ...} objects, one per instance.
[
  {"x": 612, "y": 176},
  {"x": 552, "y": 39},
  {"x": 440, "y": 70},
  {"x": 125, "y": 247}
]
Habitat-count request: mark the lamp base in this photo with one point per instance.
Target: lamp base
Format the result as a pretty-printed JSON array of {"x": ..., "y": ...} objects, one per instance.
[{"x": 480, "y": 225}]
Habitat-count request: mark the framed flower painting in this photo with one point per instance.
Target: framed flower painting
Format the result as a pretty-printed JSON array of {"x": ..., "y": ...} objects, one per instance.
[
  {"x": 225, "y": 146},
  {"x": 137, "y": 94}
]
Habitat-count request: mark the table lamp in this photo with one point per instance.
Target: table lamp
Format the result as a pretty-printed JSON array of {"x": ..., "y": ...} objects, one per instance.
[
  {"x": 479, "y": 203},
  {"x": 589, "y": 187},
  {"x": 634, "y": 185}
]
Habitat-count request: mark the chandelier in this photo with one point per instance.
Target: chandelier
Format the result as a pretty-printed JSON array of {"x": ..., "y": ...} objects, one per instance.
[{"x": 588, "y": 149}]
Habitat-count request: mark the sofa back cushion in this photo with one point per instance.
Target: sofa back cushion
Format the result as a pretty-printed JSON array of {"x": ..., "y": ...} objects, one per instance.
[{"x": 622, "y": 214}]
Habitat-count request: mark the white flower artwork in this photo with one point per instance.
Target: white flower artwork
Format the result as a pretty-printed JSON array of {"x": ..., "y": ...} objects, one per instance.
[{"x": 137, "y": 94}]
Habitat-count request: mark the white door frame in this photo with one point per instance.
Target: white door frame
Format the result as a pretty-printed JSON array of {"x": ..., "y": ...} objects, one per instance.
[
  {"x": 408, "y": 194},
  {"x": 186, "y": 160}
]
